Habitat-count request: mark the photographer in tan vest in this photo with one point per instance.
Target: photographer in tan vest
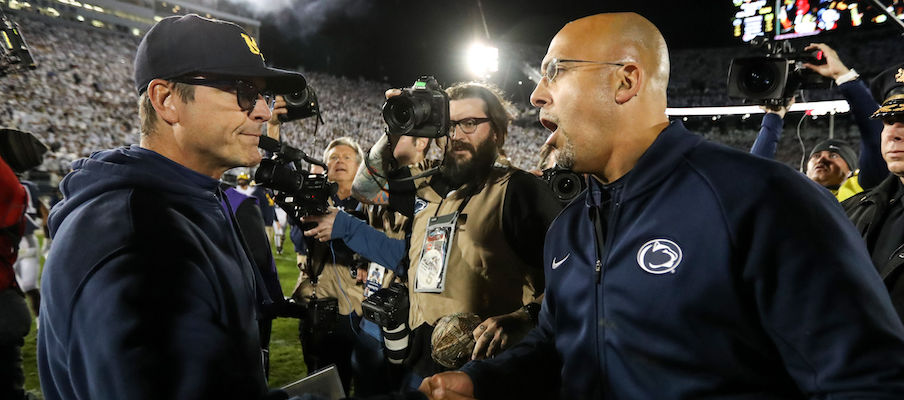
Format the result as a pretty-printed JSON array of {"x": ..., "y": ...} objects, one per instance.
[{"x": 477, "y": 232}]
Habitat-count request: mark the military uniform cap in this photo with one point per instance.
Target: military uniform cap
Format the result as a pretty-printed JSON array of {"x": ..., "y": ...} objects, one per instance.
[{"x": 888, "y": 90}]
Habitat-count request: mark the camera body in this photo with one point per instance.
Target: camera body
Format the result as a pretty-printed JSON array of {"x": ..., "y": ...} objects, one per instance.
[
  {"x": 321, "y": 319},
  {"x": 565, "y": 183},
  {"x": 772, "y": 79},
  {"x": 387, "y": 307},
  {"x": 14, "y": 53},
  {"x": 300, "y": 193},
  {"x": 301, "y": 105},
  {"x": 421, "y": 110}
]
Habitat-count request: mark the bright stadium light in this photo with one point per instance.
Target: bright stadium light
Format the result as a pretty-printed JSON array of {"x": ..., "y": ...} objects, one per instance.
[{"x": 482, "y": 60}]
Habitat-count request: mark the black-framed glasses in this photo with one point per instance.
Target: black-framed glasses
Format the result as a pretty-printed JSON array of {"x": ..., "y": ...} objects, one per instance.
[
  {"x": 552, "y": 67},
  {"x": 468, "y": 125},
  {"x": 246, "y": 93}
]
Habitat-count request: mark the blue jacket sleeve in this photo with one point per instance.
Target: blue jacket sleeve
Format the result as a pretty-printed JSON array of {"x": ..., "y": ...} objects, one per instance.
[
  {"x": 370, "y": 243},
  {"x": 872, "y": 166},
  {"x": 767, "y": 140},
  {"x": 530, "y": 369}
]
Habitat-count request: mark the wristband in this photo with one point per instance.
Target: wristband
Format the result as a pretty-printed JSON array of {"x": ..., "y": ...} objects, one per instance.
[{"x": 847, "y": 77}]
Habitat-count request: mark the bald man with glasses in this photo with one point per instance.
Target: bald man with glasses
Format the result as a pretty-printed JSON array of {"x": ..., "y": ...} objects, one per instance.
[{"x": 688, "y": 270}]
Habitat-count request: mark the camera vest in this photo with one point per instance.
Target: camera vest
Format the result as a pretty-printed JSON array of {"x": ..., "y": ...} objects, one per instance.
[{"x": 484, "y": 275}]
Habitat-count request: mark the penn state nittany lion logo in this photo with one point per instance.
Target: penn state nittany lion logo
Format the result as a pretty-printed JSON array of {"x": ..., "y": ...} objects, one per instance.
[{"x": 659, "y": 256}]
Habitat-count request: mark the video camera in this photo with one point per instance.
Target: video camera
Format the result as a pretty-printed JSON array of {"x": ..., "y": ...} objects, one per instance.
[
  {"x": 772, "y": 79},
  {"x": 14, "y": 53},
  {"x": 299, "y": 193},
  {"x": 422, "y": 110},
  {"x": 565, "y": 183}
]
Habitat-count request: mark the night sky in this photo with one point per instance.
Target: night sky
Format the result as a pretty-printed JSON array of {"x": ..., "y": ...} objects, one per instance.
[{"x": 398, "y": 40}]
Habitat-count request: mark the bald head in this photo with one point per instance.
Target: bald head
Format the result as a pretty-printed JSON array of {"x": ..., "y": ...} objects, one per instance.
[
  {"x": 603, "y": 92},
  {"x": 626, "y": 37}
]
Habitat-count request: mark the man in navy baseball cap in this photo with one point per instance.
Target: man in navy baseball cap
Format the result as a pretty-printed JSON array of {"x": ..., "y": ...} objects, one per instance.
[
  {"x": 150, "y": 292},
  {"x": 182, "y": 45}
]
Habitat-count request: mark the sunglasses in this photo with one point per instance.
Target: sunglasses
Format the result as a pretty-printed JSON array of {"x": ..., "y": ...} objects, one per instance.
[{"x": 246, "y": 94}]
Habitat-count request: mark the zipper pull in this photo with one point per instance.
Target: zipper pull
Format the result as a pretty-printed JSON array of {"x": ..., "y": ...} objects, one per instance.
[{"x": 599, "y": 269}]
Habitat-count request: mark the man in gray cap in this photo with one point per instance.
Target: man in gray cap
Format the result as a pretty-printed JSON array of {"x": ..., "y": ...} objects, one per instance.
[
  {"x": 149, "y": 289},
  {"x": 831, "y": 163},
  {"x": 879, "y": 213}
]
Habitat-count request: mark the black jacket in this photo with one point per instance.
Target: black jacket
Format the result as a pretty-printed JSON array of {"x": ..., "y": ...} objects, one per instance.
[{"x": 867, "y": 210}]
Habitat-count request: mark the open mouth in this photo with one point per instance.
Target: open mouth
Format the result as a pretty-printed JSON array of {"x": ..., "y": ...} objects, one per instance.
[{"x": 552, "y": 126}]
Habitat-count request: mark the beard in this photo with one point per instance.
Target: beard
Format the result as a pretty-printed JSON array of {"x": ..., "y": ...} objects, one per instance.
[
  {"x": 473, "y": 171},
  {"x": 565, "y": 156}
]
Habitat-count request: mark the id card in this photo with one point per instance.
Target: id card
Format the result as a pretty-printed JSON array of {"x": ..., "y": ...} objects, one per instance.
[
  {"x": 431, "y": 269},
  {"x": 374, "y": 282}
]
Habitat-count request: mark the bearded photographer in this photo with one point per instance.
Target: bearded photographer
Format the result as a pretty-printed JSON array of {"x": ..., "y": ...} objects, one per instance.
[{"x": 486, "y": 224}]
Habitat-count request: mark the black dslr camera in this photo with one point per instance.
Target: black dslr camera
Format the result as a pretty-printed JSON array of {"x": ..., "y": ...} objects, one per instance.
[
  {"x": 422, "y": 110},
  {"x": 301, "y": 105},
  {"x": 565, "y": 183},
  {"x": 299, "y": 193},
  {"x": 14, "y": 53},
  {"x": 387, "y": 307},
  {"x": 772, "y": 79}
]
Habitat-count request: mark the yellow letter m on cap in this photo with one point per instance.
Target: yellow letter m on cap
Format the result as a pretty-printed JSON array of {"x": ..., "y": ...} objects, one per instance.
[{"x": 252, "y": 45}]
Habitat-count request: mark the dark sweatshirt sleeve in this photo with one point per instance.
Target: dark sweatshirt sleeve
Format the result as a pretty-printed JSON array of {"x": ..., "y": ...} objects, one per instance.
[
  {"x": 872, "y": 166},
  {"x": 530, "y": 369},
  {"x": 767, "y": 139},
  {"x": 817, "y": 294},
  {"x": 528, "y": 209}
]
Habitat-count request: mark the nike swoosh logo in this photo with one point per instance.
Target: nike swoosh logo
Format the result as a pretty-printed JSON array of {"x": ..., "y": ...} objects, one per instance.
[{"x": 556, "y": 264}]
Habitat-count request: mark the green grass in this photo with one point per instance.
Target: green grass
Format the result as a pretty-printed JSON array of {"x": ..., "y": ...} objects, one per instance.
[{"x": 286, "y": 360}]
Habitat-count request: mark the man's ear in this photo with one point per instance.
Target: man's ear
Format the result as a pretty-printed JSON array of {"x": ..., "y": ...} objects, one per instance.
[
  {"x": 629, "y": 78},
  {"x": 164, "y": 100},
  {"x": 421, "y": 143}
]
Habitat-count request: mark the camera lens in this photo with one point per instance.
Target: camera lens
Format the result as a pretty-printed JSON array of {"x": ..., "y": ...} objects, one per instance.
[
  {"x": 298, "y": 98},
  {"x": 565, "y": 185},
  {"x": 759, "y": 78},
  {"x": 399, "y": 114}
]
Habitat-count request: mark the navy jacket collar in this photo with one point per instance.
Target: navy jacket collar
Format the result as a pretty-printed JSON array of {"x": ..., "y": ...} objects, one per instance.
[{"x": 655, "y": 165}]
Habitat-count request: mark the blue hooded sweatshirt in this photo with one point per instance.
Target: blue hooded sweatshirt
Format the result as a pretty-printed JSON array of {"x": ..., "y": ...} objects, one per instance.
[{"x": 148, "y": 292}]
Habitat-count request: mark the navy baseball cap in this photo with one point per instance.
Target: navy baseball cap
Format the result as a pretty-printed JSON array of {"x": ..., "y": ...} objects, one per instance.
[
  {"x": 181, "y": 45},
  {"x": 888, "y": 90}
]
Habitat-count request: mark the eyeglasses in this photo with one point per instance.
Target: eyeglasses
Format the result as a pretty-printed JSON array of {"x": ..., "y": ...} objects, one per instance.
[
  {"x": 468, "y": 125},
  {"x": 552, "y": 67},
  {"x": 246, "y": 94}
]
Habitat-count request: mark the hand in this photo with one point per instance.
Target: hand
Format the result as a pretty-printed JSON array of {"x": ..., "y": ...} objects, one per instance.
[
  {"x": 453, "y": 385},
  {"x": 324, "y": 229},
  {"x": 833, "y": 68},
  {"x": 779, "y": 110},
  {"x": 279, "y": 108},
  {"x": 392, "y": 92},
  {"x": 361, "y": 276},
  {"x": 497, "y": 333}
]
